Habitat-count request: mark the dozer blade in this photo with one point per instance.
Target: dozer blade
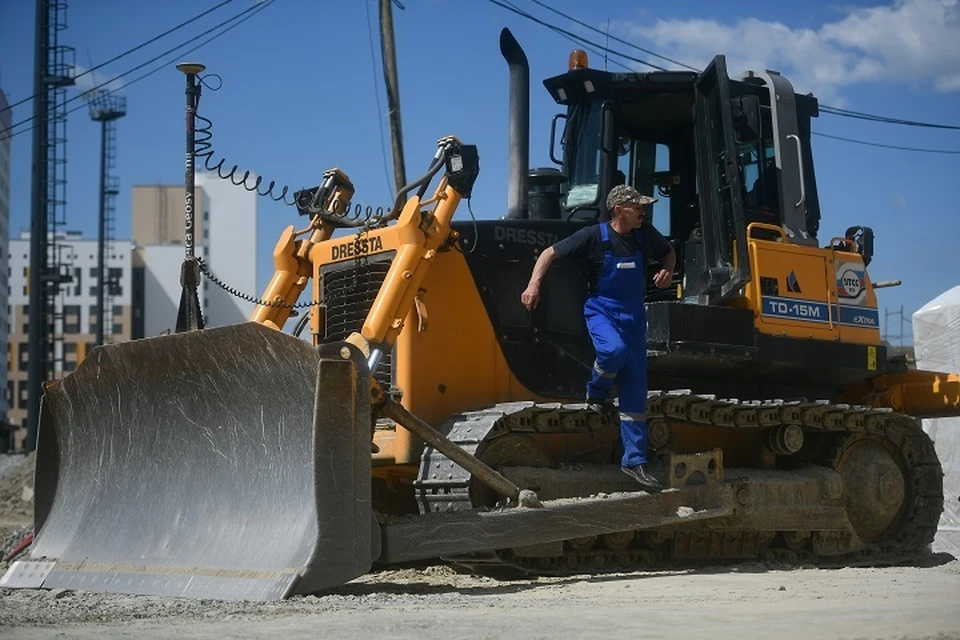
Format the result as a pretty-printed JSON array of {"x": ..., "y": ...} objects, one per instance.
[{"x": 228, "y": 463}]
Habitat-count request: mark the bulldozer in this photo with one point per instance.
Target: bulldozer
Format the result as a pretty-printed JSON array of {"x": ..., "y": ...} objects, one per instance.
[{"x": 427, "y": 414}]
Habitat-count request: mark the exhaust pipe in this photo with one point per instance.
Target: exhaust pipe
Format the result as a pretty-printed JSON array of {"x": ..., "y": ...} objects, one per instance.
[{"x": 519, "y": 162}]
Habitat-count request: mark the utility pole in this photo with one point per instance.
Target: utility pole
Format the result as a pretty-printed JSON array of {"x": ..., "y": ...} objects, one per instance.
[
  {"x": 389, "y": 53},
  {"x": 37, "y": 362},
  {"x": 105, "y": 109},
  {"x": 52, "y": 73}
]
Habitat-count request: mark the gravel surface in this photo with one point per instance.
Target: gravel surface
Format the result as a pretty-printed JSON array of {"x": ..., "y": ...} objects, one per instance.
[
  {"x": 7, "y": 462},
  {"x": 16, "y": 502},
  {"x": 743, "y": 601},
  {"x": 16, "y": 487}
]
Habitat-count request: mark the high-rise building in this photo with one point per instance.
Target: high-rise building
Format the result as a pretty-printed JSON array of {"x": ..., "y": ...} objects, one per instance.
[
  {"x": 226, "y": 238},
  {"x": 6, "y": 121},
  {"x": 231, "y": 247},
  {"x": 75, "y": 310},
  {"x": 157, "y": 214}
]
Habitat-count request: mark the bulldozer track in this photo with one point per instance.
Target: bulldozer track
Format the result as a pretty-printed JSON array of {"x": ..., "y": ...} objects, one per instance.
[{"x": 444, "y": 486}]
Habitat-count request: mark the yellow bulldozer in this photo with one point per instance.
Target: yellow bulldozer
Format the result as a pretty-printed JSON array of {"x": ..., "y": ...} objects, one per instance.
[{"x": 430, "y": 415}]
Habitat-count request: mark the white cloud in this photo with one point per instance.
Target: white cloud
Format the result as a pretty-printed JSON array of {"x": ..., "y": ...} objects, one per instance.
[
  {"x": 91, "y": 80},
  {"x": 914, "y": 42}
]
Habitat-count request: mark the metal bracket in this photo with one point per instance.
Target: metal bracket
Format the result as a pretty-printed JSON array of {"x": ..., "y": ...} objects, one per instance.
[{"x": 689, "y": 469}]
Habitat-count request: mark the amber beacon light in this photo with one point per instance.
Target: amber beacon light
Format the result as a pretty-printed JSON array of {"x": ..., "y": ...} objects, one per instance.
[{"x": 578, "y": 60}]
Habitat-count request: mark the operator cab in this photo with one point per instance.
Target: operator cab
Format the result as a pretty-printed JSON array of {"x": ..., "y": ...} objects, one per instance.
[{"x": 714, "y": 151}]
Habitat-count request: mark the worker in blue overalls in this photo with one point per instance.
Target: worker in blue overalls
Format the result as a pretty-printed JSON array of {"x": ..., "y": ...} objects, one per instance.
[{"x": 618, "y": 252}]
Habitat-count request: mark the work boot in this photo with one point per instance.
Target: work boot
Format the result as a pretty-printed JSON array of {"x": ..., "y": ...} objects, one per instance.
[
  {"x": 639, "y": 474},
  {"x": 599, "y": 406}
]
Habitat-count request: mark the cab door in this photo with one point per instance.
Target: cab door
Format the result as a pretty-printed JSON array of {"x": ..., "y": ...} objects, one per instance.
[{"x": 726, "y": 268}]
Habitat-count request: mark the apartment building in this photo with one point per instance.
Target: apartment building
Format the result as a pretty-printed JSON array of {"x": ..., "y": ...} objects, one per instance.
[
  {"x": 75, "y": 313},
  {"x": 6, "y": 121}
]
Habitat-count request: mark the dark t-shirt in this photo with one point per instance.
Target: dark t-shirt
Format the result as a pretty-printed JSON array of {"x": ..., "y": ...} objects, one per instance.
[{"x": 586, "y": 244}]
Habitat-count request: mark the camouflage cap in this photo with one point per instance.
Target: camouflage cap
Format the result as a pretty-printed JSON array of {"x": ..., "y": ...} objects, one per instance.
[{"x": 625, "y": 194}]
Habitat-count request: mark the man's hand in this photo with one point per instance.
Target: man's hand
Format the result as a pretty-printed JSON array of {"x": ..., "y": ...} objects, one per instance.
[
  {"x": 530, "y": 297},
  {"x": 662, "y": 279}
]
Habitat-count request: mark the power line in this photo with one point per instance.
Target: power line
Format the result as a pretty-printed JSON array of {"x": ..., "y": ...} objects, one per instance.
[
  {"x": 259, "y": 7},
  {"x": 129, "y": 51},
  {"x": 884, "y": 119},
  {"x": 885, "y": 146},
  {"x": 579, "y": 43},
  {"x": 620, "y": 40},
  {"x": 254, "y": 8},
  {"x": 560, "y": 30},
  {"x": 824, "y": 108}
]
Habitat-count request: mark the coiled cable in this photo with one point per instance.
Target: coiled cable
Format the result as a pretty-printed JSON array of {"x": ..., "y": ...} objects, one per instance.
[{"x": 203, "y": 136}]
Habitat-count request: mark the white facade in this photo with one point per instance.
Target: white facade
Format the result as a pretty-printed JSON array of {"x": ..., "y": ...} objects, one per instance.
[
  {"x": 5, "y": 123},
  {"x": 230, "y": 242},
  {"x": 161, "y": 286},
  {"x": 80, "y": 263}
]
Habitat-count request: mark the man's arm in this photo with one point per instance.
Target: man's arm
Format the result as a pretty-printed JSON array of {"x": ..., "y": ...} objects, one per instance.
[
  {"x": 664, "y": 277},
  {"x": 531, "y": 295},
  {"x": 665, "y": 255},
  {"x": 577, "y": 245}
]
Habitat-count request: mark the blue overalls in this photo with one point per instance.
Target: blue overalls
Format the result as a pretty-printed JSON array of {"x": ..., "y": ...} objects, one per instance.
[{"x": 617, "y": 322}]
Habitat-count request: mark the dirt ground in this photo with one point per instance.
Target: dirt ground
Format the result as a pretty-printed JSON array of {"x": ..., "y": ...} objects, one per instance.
[
  {"x": 746, "y": 601},
  {"x": 742, "y": 601}
]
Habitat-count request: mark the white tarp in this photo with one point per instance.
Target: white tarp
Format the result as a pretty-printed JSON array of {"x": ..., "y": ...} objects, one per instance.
[{"x": 936, "y": 338}]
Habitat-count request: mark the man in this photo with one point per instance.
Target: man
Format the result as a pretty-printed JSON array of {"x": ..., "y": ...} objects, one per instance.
[{"x": 618, "y": 253}]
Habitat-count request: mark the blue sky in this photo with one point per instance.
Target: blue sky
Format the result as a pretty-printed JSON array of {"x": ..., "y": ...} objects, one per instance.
[{"x": 299, "y": 83}]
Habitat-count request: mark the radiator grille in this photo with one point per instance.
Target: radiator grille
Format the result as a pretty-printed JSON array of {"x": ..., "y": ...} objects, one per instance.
[{"x": 349, "y": 290}]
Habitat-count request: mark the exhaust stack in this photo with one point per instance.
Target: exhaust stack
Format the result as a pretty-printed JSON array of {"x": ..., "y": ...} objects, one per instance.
[{"x": 519, "y": 162}]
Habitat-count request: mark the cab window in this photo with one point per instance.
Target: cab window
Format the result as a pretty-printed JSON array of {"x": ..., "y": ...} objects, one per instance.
[
  {"x": 645, "y": 166},
  {"x": 583, "y": 134}
]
